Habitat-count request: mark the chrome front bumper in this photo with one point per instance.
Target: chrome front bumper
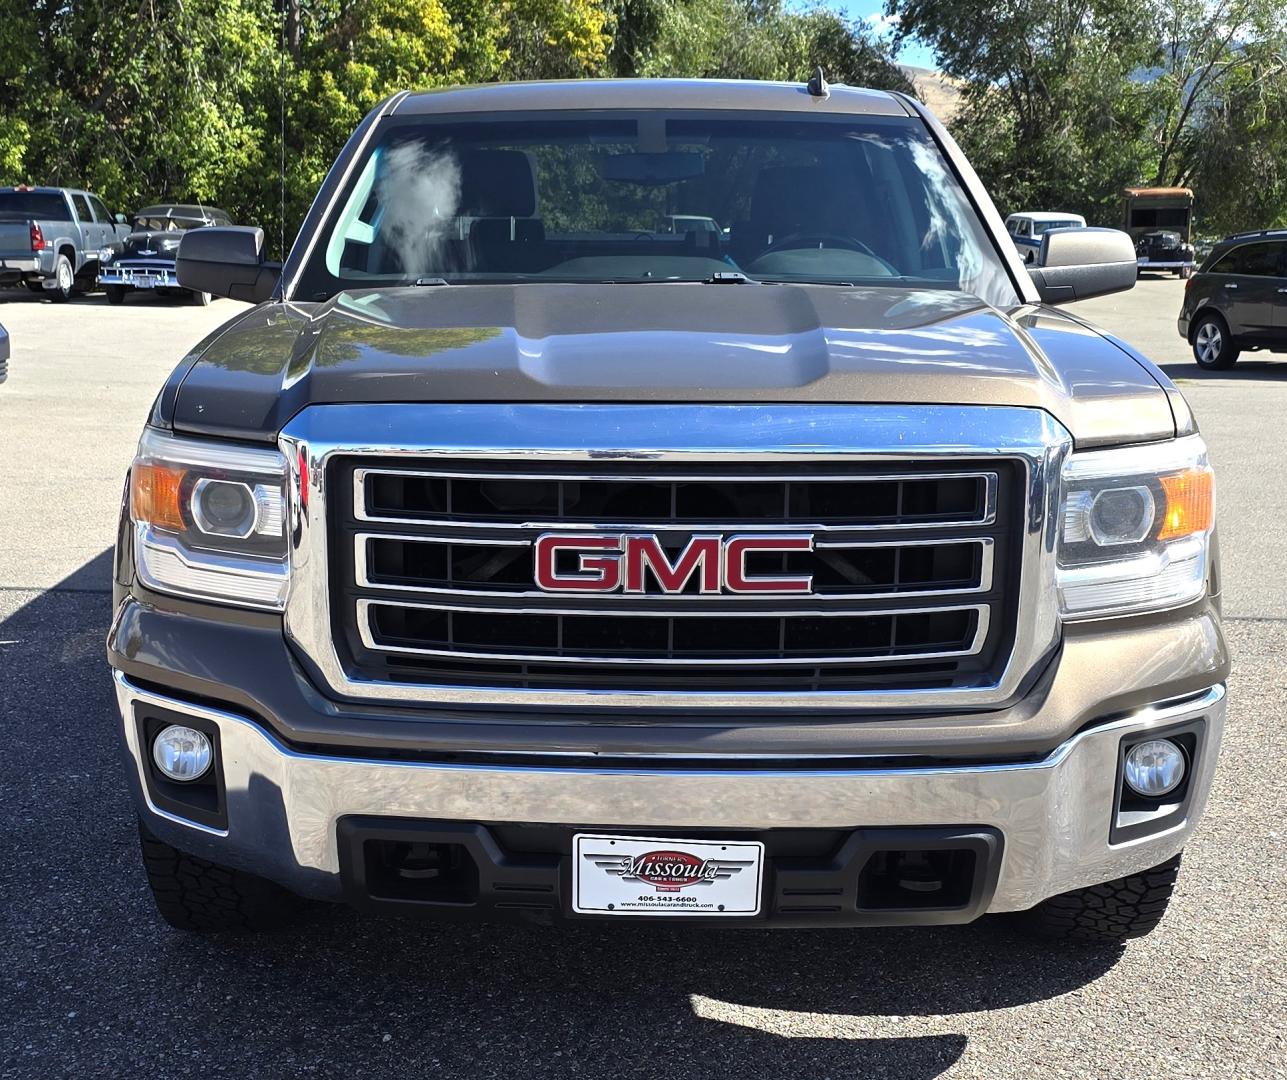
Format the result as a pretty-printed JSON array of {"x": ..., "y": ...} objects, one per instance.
[
  {"x": 1054, "y": 814},
  {"x": 139, "y": 277}
]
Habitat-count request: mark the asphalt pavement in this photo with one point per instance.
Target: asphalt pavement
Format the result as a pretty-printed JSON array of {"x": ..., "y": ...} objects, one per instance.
[{"x": 92, "y": 984}]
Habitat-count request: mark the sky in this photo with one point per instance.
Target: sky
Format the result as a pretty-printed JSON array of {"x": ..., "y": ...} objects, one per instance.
[{"x": 872, "y": 12}]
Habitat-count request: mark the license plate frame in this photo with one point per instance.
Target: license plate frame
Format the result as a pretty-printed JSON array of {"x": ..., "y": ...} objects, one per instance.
[{"x": 651, "y": 877}]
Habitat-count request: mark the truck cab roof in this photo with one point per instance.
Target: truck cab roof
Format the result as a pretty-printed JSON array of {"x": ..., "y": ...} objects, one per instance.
[{"x": 643, "y": 94}]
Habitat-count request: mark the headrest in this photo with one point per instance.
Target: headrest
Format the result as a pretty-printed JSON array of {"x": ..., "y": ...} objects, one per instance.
[
  {"x": 497, "y": 183},
  {"x": 499, "y": 231}
]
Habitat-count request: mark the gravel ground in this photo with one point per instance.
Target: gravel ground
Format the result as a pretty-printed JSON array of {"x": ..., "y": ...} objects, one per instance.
[{"x": 94, "y": 985}]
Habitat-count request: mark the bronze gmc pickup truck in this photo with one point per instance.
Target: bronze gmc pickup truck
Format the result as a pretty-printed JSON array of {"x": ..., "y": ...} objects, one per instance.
[{"x": 666, "y": 500}]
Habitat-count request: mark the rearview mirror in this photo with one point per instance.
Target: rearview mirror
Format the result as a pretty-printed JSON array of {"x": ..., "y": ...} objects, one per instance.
[
  {"x": 1076, "y": 264},
  {"x": 227, "y": 261},
  {"x": 669, "y": 167}
]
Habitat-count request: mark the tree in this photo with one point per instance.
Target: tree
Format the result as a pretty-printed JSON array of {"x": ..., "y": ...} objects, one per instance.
[
  {"x": 1050, "y": 116},
  {"x": 1068, "y": 101},
  {"x": 747, "y": 39},
  {"x": 1220, "y": 62}
]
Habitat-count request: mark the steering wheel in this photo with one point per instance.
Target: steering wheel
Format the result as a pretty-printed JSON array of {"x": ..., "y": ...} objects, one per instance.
[{"x": 796, "y": 241}]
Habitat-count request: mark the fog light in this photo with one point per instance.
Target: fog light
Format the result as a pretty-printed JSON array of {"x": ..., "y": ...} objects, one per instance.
[
  {"x": 182, "y": 753},
  {"x": 1154, "y": 768}
]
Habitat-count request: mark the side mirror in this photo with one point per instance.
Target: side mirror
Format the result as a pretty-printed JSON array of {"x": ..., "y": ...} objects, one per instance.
[
  {"x": 227, "y": 261},
  {"x": 120, "y": 219},
  {"x": 1076, "y": 264}
]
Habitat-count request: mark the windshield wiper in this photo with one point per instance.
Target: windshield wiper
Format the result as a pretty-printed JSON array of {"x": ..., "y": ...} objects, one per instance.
[
  {"x": 805, "y": 281},
  {"x": 431, "y": 281}
]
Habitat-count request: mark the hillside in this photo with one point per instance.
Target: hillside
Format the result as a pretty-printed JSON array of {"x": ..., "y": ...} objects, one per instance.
[{"x": 940, "y": 92}]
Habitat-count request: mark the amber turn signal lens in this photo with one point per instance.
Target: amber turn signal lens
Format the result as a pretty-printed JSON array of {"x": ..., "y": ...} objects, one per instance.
[
  {"x": 154, "y": 495},
  {"x": 1190, "y": 503}
]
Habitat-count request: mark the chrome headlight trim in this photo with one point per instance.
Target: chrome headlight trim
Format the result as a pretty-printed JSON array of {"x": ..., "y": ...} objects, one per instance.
[
  {"x": 1108, "y": 579},
  {"x": 196, "y": 564}
]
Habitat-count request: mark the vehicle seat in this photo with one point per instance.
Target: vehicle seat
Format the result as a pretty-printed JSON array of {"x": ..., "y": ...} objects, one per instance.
[
  {"x": 498, "y": 245},
  {"x": 498, "y": 190}
]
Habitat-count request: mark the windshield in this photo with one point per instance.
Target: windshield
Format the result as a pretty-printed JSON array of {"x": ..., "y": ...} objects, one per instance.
[
  {"x": 621, "y": 197},
  {"x": 40, "y": 205},
  {"x": 167, "y": 224},
  {"x": 1038, "y": 227}
]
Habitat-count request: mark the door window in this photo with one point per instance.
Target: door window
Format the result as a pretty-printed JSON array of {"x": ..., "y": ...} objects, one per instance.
[
  {"x": 100, "y": 211},
  {"x": 1253, "y": 260},
  {"x": 82, "y": 208}
]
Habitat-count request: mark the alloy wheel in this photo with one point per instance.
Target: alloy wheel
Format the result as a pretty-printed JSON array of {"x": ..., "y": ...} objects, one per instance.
[{"x": 1208, "y": 342}]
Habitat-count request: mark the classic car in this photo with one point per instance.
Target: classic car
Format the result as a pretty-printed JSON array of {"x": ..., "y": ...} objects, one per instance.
[{"x": 145, "y": 259}]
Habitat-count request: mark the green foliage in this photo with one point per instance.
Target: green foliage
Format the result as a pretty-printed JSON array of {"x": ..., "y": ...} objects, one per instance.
[
  {"x": 1065, "y": 102},
  {"x": 747, "y": 39}
]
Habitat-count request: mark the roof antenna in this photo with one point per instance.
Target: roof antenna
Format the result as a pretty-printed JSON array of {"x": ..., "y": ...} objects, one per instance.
[
  {"x": 281, "y": 145},
  {"x": 818, "y": 84}
]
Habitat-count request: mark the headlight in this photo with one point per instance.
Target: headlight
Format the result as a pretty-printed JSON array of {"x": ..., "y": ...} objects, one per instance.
[
  {"x": 1136, "y": 528},
  {"x": 209, "y": 520},
  {"x": 105, "y": 255}
]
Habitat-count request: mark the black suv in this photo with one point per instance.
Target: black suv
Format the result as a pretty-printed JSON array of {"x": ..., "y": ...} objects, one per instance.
[{"x": 1238, "y": 299}]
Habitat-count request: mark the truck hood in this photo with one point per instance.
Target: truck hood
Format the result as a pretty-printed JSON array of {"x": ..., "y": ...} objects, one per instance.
[{"x": 663, "y": 342}]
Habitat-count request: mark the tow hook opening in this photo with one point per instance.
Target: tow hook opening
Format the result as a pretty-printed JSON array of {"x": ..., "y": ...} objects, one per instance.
[
  {"x": 910, "y": 880},
  {"x": 420, "y": 872}
]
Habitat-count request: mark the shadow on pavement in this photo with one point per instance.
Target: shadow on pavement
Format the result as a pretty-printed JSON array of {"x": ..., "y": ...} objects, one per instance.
[
  {"x": 97, "y": 296},
  {"x": 26, "y": 296},
  {"x": 98, "y": 985},
  {"x": 1270, "y": 370}
]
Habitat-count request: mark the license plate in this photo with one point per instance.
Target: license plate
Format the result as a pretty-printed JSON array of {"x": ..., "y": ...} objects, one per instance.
[
  {"x": 643, "y": 875},
  {"x": 145, "y": 282}
]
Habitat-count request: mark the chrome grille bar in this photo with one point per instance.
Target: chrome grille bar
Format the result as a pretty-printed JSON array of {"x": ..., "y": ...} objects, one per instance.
[
  {"x": 981, "y": 612},
  {"x": 982, "y": 583},
  {"x": 986, "y": 514}
]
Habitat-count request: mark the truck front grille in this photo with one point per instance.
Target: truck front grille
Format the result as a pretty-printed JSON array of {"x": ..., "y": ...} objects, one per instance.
[{"x": 913, "y": 571}]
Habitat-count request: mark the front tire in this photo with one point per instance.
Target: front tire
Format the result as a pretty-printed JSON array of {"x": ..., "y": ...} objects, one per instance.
[
  {"x": 1115, "y": 911},
  {"x": 1213, "y": 346},
  {"x": 115, "y": 293},
  {"x": 195, "y": 894}
]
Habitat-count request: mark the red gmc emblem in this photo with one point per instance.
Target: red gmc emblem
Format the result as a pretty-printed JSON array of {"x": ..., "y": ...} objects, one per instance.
[{"x": 580, "y": 562}]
